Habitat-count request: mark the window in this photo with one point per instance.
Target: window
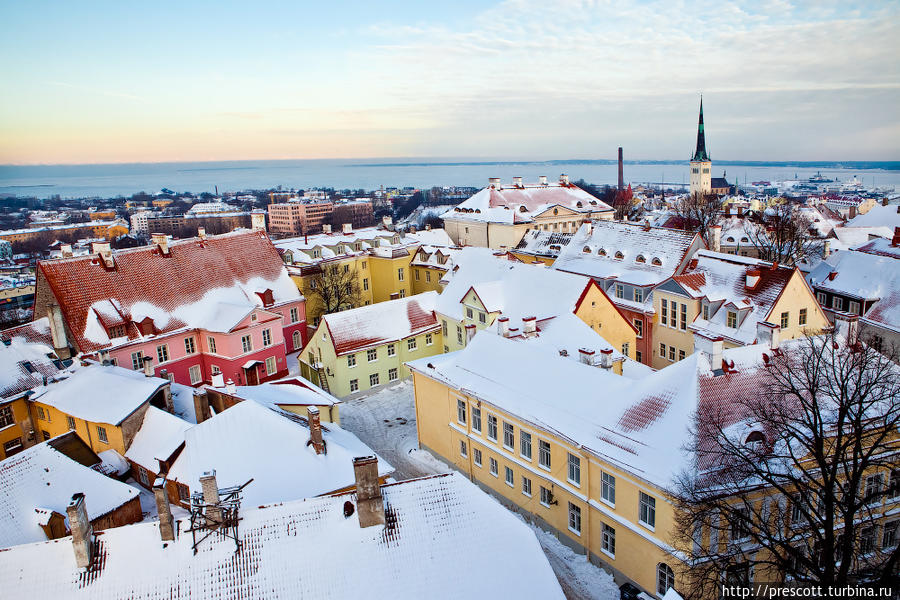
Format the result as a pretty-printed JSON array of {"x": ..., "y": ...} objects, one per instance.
[
  {"x": 392, "y": 374},
  {"x": 365, "y": 283},
  {"x": 665, "y": 578},
  {"x": 609, "y": 540},
  {"x": 403, "y": 293},
  {"x": 459, "y": 334},
  {"x": 637, "y": 356},
  {"x": 620, "y": 290},
  {"x": 372, "y": 354},
  {"x": 683, "y": 324},
  {"x": 162, "y": 353},
  {"x": 638, "y": 295},
  {"x": 346, "y": 268},
  {"x": 740, "y": 524},
  {"x": 526, "y": 486},
  {"x": 189, "y": 346},
  {"x": 492, "y": 428},
  {"x": 853, "y": 307},
  {"x": 625, "y": 349},
  {"x": 509, "y": 436},
  {"x": 429, "y": 340},
  {"x": 889, "y": 537},
  {"x": 476, "y": 456},
  {"x": 144, "y": 477},
  {"x": 493, "y": 467},
  {"x": 867, "y": 540},
  {"x": 822, "y": 298},
  {"x": 351, "y": 360},
  {"x": 801, "y": 320},
  {"x": 444, "y": 328},
  {"x": 894, "y": 484},
  {"x": 363, "y": 265},
  {"x": 525, "y": 444},
  {"x": 706, "y": 312},
  {"x": 215, "y": 370},
  {"x": 416, "y": 273},
  {"x": 428, "y": 276},
  {"x": 608, "y": 488},
  {"x": 411, "y": 344},
  {"x": 41, "y": 414},
  {"x": 476, "y": 418},
  {"x": 391, "y": 350},
  {"x": 6, "y": 416},
  {"x": 45, "y": 435},
  {"x": 194, "y": 373},
  {"x": 271, "y": 367},
  {"x": 639, "y": 325},
  {"x": 247, "y": 343},
  {"x": 672, "y": 353},
  {"x": 463, "y": 448},
  {"x": 461, "y": 412},
  {"x": 510, "y": 477},
  {"x": 574, "y": 518},
  {"x": 785, "y": 320},
  {"x": 400, "y": 274},
  {"x": 662, "y": 350},
  {"x": 184, "y": 494},
  {"x": 544, "y": 454},
  {"x": 469, "y": 313},
  {"x": 574, "y": 469},
  {"x": 70, "y": 422},
  {"x": 373, "y": 379},
  {"x": 546, "y": 497},
  {"x": 137, "y": 360},
  {"x": 295, "y": 315},
  {"x": 482, "y": 317},
  {"x": 101, "y": 434},
  {"x": 664, "y": 313},
  {"x": 874, "y": 485},
  {"x": 731, "y": 319},
  {"x": 354, "y": 385},
  {"x": 13, "y": 447},
  {"x": 646, "y": 509},
  {"x": 838, "y": 303},
  {"x": 267, "y": 337}
]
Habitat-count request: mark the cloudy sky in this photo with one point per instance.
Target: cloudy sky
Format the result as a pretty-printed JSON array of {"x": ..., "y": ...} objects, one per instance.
[{"x": 519, "y": 79}]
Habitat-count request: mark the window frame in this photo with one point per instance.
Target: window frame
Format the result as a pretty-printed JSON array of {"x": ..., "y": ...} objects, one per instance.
[
  {"x": 608, "y": 540},
  {"x": 102, "y": 436},
  {"x": 492, "y": 427},
  {"x": 509, "y": 476},
  {"x": 274, "y": 365},
  {"x": 509, "y": 433},
  {"x": 647, "y": 504},
  {"x": 476, "y": 418},
  {"x": 374, "y": 379},
  {"x": 247, "y": 343},
  {"x": 574, "y": 519},
  {"x": 393, "y": 375},
  {"x": 461, "y": 411},
  {"x": 476, "y": 456},
  {"x": 162, "y": 353},
  {"x": 190, "y": 346},
  {"x": 608, "y": 488},
  {"x": 192, "y": 370},
  {"x": 494, "y": 467},
  {"x": 573, "y": 470}
]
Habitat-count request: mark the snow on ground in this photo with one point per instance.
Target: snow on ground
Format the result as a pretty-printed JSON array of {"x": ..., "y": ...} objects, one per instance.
[
  {"x": 386, "y": 421},
  {"x": 293, "y": 364},
  {"x": 148, "y": 504}
]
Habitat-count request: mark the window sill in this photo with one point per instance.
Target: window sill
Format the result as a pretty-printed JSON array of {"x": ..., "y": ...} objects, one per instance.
[
  {"x": 612, "y": 556},
  {"x": 545, "y": 505},
  {"x": 510, "y": 484},
  {"x": 526, "y": 457},
  {"x": 575, "y": 531},
  {"x": 527, "y": 495},
  {"x": 647, "y": 526},
  {"x": 545, "y": 467},
  {"x": 608, "y": 503},
  {"x": 495, "y": 474},
  {"x": 575, "y": 483}
]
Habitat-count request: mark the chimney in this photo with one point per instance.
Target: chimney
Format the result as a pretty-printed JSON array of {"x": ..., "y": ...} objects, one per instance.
[
  {"x": 826, "y": 248},
  {"x": 211, "y": 499},
  {"x": 503, "y": 326},
  {"x": 427, "y": 227},
  {"x": 712, "y": 348},
  {"x": 494, "y": 182},
  {"x": 621, "y": 171},
  {"x": 218, "y": 380},
  {"x": 103, "y": 249},
  {"x": 201, "y": 407},
  {"x": 148, "y": 366},
  {"x": 529, "y": 326},
  {"x": 82, "y": 531},
  {"x": 470, "y": 332},
  {"x": 846, "y": 327},
  {"x": 166, "y": 522},
  {"x": 606, "y": 359},
  {"x": 347, "y": 228},
  {"x": 369, "y": 503},
  {"x": 326, "y": 228},
  {"x": 315, "y": 430},
  {"x": 590, "y": 226},
  {"x": 586, "y": 356},
  {"x": 517, "y": 181},
  {"x": 58, "y": 332},
  {"x": 715, "y": 238},
  {"x": 258, "y": 221},
  {"x": 896, "y": 239},
  {"x": 230, "y": 387},
  {"x": 768, "y": 334},
  {"x": 752, "y": 278},
  {"x": 161, "y": 240},
  {"x": 542, "y": 180},
  {"x": 65, "y": 250},
  {"x": 564, "y": 180},
  {"x": 884, "y": 201},
  {"x": 387, "y": 221},
  {"x": 201, "y": 233},
  {"x": 740, "y": 210},
  {"x": 412, "y": 228}
]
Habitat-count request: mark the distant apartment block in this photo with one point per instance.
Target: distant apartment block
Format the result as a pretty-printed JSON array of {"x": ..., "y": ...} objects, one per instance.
[{"x": 297, "y": 218}]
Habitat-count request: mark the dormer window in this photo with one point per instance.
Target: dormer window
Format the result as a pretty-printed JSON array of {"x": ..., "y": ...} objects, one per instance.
[
  {"x": 578, "y": 204},
  {"x": 619, "y": 255},
  {"x": 601, "y": 252},
  {"x": 587, "y": 250},
  {"x": 266, "y": 297},
  {"x": 730, "y": 239},
  {"x": 640, "y": 259},
  {"x": 523, "y": 208},
  {"x": 317, "y": 253},
  {"x": 656, "y": 262},
  {"x": 116, "y": 331},
  {"x": 358, "y": 246},
  {"x": 755, "y": 441}
]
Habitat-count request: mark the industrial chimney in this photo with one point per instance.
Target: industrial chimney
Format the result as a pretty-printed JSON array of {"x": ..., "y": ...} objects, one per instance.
[{"x": 621, "y": 171}]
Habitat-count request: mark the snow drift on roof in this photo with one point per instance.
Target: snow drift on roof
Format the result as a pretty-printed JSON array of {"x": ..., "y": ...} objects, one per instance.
[{"x": 367, "y": 326}]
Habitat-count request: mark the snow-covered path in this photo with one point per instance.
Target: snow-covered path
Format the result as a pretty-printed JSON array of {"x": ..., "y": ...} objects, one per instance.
[{"x": 386, "y": 421}]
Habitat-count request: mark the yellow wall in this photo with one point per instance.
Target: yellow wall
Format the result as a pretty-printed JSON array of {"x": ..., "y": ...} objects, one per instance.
[
  {"x": 386, "y": 279},
  {"x": 55, "y": 424},
  {"x": 682, "y": 340},
  {"x": 314, "y": 308},
  {"x": 601, "y": 315},
  {"x": 426, "y": 279},
  {"x": 531, "y": 258},
  {"x": 797, "y": 295},
  {"x": 20, "y": 427},
  {"x": 328, "y": 413}
]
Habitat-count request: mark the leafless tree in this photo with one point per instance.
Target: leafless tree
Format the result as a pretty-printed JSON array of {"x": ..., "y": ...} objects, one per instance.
[
  {"x": 335, "y": 287},
  {"x": 784, "y": 236},
  {"x": 795, "y": 482},
  {"x": 699, "y": 212}
]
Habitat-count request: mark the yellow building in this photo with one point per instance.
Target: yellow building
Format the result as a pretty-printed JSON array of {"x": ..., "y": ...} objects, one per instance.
[
  {"x": 15, "y": 426},
  {"x": 730, "y": 296},
  {"x": 429, "y": 266},
  {"x": 366, "y": 347}
]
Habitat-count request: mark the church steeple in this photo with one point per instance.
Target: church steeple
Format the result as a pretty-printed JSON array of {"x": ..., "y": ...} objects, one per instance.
[{"x": 700, "y": 154}]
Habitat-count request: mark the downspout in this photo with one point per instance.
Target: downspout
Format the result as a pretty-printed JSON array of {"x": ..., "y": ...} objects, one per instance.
[{"x": 587, "y": 489}]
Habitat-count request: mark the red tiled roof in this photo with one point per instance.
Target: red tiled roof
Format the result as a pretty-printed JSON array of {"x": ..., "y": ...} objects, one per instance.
[{"x": 382, "y": 323}]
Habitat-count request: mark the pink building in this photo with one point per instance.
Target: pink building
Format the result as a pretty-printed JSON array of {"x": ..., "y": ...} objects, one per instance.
[{"x": 187, "y": 309}]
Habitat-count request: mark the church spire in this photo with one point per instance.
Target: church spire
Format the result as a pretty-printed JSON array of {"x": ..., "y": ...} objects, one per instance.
[{"x": 700, "y": 153}]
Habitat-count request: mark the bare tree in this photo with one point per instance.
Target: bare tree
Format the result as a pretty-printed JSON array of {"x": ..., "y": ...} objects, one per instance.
[
  {"x": 794, "y": 478},
  {"x": 784, "y": 236},
  {"x": 699, "y": 212},
  {"x": 335, "y": 287}
]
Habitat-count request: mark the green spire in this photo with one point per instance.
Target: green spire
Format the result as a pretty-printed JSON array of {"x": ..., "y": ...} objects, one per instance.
[{"x": 700, "y": 153}]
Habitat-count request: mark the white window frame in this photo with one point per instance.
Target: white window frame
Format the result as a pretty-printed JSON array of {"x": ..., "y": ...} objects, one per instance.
[
  {"x": 392, "y": 374},
  {"x": 190, "y": 347},
  {"x": 509, "y": 476},
  {"x": 374, "y": 380},
  {"x": 137, "y": 360},
  {"x": 391, "y": 350},
  {"x": 476, "y": 419},
  {"x": 372, "y": 355},
  {"x": 573, "y": 470},
  {"x": 542, "y": 446},
  {"x": 461, "y": 411},
  {"x": 196, "y": 376},
  {"x": 295, "y": 315},
  {"x": 526, "y": 486},
  {"x": 525, "y": 444},
  {"x": 546, "y": 495},
  {"x": 412, "y": 345},
  {"x": 354, "y": 385},
  {"x": 101, "y": 434},
  {"x": 509, "y": 433},
  {"x": 272, "y": 368},
  {"x": 494, "y": 467},
  {"x": 608, "y": 488},
  {"x": 574, "y": 520},
  {"x": 162, "y": 353},
  {"x": 476, "y": 456},
  {"x": 267, "y": 337},
  {"x": 247, "y": 343},
  {"x": 463, "y": 449},
  {"x": 608, "y": 540},
  {"x": 647, "y": 503},
  {"x": 492, "y": 426},
  {"x": 351, "y": 361}
]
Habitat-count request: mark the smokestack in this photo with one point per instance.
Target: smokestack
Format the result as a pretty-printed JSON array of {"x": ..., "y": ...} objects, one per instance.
[
  {"x": 621, "y": 171},
  {"x": 148, "y": 366},
  {"x": 606, "y": 359},
  {"x": 768, "y": 334},
  {"x": 58, "y": 332},
  {"x": 326, "y": 228},
  {"x": 315, "y": 430},
  {"x": 712, "y": 348},
  {"x": 211, "y": 499},
  {"x": 715, "y": 238},
  {"x": 82, "y": 531},
  {"x": 230, "y": 387},
  {"x": 65, "y": 250},
  {"x": 470, "y": 332},
  {"x": 517, "y": 181},
  {"x": 201, "y": 233},
  {"x": 387, "y": 221},
  {"x": 752, "y": 278},
  {"x": 166, "y": 522},
  {"x": 201, "y": 407},
  {"x": 529, "y": 326},
  {"x": 542, "y": 180},
  {"x": 369, "y": 503},
  {"x": 846, "y": 327},
  {"x": 161, "y": 240},
  {"x": 103, "y": 249},
  {"x": 494, "y": 182},
  {"x": 258, "y": 221},
  {"x": 503, "y": 326},
  {"x": 348, "y": 228},
  {"x": 564, "y": 180},
  {"x": 585, "y": 356},
  {"x": 826, "y": 248},
  {"x": 218, "y": 380}
]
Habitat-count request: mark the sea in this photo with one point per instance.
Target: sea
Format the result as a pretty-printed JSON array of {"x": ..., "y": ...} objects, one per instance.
[{"x": 123, "y": 180}]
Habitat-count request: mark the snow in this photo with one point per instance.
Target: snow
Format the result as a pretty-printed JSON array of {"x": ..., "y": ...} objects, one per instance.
[
  {"x": 112, "y": 463},
  {"x": 878, "y": 216},
  {"x": 579, "y": 579},
  {"x": 286, "y": 392},
  {"x": 148, "y": 504},
  {"x": 15, "y": 377},
  {"x": 158, "y": 438},
  {"x": 183, "y": 401}
]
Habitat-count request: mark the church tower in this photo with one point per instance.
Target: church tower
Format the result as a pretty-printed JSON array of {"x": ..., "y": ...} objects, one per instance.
[{"x": 701, "y": 165}]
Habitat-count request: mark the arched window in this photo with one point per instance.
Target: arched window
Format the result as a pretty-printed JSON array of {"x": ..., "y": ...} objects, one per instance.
[
  {"x": 656, "y": 262},
  {"x": 586, "y": 250},
  {"x": 297, "y": 340},
  {"x": 601, "y": 252},
  {"x": 640, "y": 259},
  {"x": 755, "y": 440},
  {"x": 578, "y": 204},
  {"x": 619, "y": 254},
  {"x": 523, "y": 208},
  {"x": 730, "y": 239},
  {"x": 665, "y": 578}
]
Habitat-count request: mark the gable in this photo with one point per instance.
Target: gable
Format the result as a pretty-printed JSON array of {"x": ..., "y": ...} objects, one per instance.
[{"x": 556, "y": 211}]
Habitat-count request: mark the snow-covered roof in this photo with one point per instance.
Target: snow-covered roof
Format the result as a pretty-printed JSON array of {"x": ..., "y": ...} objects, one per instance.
[
  {"x": 648, "y": 254},
  {"x": 376, "y": 324},
  {"x": 538, "y": 242},
  {"x": 293, "y": 391},
  {"x": 854, "y": 236},
  {"x": 183, "y": 401},
  {"x": 435, "y": 256},
  {"x": 219, "y": 275},
  {"x": 250, "y": 441},
  {"x": 878, "y": 216},
  {"x": 431, "y": 237},
  {"x": 566, "y": 334},
  {"x": 521, "y": 203},
  {"x": 337, "y": 243},
  {"x": 881, "y": 247},
  {"x": 100, "y": 393},
  {"x": 159, "y": 437},
  {"x": 41, "y": 477},
  {"x": 25, "y": 359},
  {"x": 441, "y": 527}
]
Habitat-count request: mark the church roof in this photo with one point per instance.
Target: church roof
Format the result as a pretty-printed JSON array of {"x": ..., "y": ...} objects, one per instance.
[{"x": 700, "y": 153}]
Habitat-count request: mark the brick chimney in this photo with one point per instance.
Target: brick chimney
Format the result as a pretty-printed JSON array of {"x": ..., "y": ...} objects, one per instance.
[
  {"x": 347, "y": 228},
  {"x": 105, "y": 252},
  {"x": 517, "y": 181},
  {"x": 201, "y": 407},
  {"x": 542, "y": 180},
  {"x": 201, "y": 233},
  {"x": 529, "y": 326},
  {"x": 715, "y": 238},
  {"x": 470, "y": 332},
  {"x": 211, "y": 498},
  {"x": 315, "y": 430},
  {"x": 58, "y": 331},
  {"x": 712, "y": 348},
  {"x": 161, "y": 240},
  {"x": 768, "y": 334},
  {"x": 369, "y": 503},
  {"x": 166, "y": 522},
  {"x": 752, "y": 278},
  {"x": 606, "y": 359},
  {"x": 503, "y": 326},
  {"x": 148, "y": 366},
  {"x": 586, "y": 356},
  {"x": 826, "y": 249},
  {"x": 82, "y": 531},
  {"x": 896, "y": 239},
  {"x": 494, "y": 182}
]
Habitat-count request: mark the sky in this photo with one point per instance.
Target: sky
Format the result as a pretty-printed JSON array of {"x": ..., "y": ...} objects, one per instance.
[{"x": 102, "y": 82}]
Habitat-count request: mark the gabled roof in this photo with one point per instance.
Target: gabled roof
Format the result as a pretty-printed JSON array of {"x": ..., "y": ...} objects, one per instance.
[
  {"x": 177, "y": 290},
  {"x": 880, "y": 247},
  {"x": 160, "y": 435},
  {"x": 441, "y": 527},
  {"x": 41, "y": 477},
  {"x": 293, "y": 391},
  {"x": 376, "y": 324},
  {"x": 249, "y": 440},
  {"x": 26, "y": 360},
  {"x": 878, "y": 216}
]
